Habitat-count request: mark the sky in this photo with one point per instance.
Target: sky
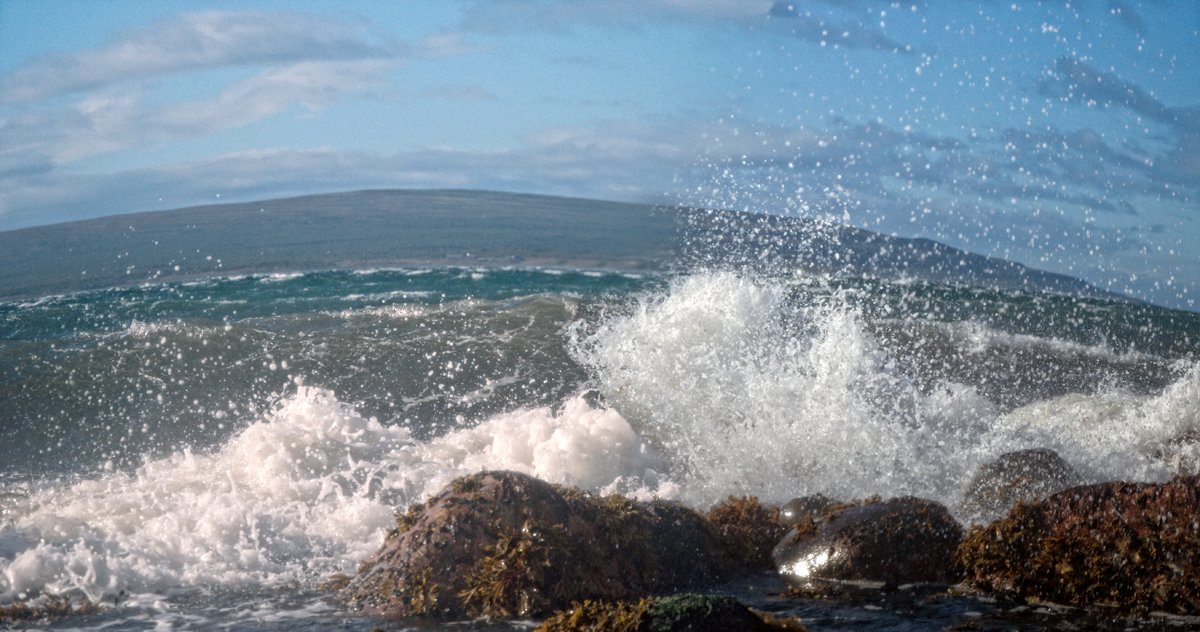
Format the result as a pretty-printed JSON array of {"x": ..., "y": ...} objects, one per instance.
[{"x": 1063, "y": 135}]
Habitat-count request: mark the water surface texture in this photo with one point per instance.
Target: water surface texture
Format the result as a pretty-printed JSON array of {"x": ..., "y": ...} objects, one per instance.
[{"x": 202, "y": 452}]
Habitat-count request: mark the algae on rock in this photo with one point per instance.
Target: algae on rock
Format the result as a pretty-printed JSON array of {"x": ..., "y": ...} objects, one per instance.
[
  {"x": 1131, "y": 546},
  {"x": 504, "y": 544},
  {"x": 688, "y": 612}
]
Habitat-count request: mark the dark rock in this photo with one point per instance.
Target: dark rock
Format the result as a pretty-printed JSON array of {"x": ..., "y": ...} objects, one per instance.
[
  {"x": 1015, "y": 477},
  {"x": 749, "y": 528},
  {"x": 677, "y": 613},
  {"x": 504, "y": 545},
  {"x": 1130, "y": 546},
  {"x": 898, "y": 541},
  {"x": 797, "y": 509}
]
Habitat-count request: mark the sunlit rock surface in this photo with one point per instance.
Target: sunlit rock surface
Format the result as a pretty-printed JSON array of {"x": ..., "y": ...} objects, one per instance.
[
  {"x": 803, "y": 508},
  {"x": 898, "y": 541},
  {"x": 1131, "y": 546},
  {"x": 1014, "y": 477},
  {"x": 506, "y": 545}
]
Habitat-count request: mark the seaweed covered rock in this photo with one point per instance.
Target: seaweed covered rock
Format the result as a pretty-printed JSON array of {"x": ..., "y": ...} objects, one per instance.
[
  {"x": 1015, "y": 477},
  {"x": 898, "y": 541},
  {"x": 503, "y": 544},
  {"x": 677, "y": 613},
  {"x": 749, "y": 528},
  {"x": 1133, "y": 546}
]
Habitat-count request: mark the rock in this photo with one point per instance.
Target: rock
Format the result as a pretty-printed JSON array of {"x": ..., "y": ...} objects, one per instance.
[
  {"x": 50, "y": 608},
  {"x": 898, "y": 541},
  {"x": 1131, "y": 546},
  {"x": 749, "y": 528},
  {"x": 797, "y": 509},
  {"x": 505, "y": 545},
  {"x": 677, "y": 613},
  {"x": 1181, "y": 452},
  {"x": 1014, "y": 477}
]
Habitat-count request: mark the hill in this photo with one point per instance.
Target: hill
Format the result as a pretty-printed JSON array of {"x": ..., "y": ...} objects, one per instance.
[{"x": 367, "y": 229}]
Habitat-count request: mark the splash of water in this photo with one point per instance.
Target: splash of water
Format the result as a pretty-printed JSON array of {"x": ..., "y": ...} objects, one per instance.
[
  {"x": 746, "y": 388},
  {"x": 307, "y": 491}
]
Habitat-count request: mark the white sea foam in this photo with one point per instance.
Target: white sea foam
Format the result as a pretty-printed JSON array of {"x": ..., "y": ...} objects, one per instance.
[
  {"x": 308, "y": 491},
  {"x": 277, "y": 277}
]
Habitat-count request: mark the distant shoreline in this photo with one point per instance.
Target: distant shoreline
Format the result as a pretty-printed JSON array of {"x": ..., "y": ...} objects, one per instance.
[{"x": 448, "y": 228}]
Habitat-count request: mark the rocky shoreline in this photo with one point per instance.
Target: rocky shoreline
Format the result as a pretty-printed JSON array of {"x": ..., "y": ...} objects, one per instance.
[
  {"x": 502, "y": 545},
  {"x": 505, "y": 545}
]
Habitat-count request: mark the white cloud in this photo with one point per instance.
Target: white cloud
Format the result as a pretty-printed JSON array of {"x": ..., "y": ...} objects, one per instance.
[
  {"x": 113, "y": 120},
  {"x": 502, "y": 16},
  {"x": 196, "y": 41}
]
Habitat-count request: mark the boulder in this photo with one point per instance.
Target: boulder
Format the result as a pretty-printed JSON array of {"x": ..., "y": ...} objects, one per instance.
[
  {"x": 797, "y": 510},
  {"x": 506, "y": 545},
  {"x": 1131, "y": 546},
  {"x": 749, "y": 529},
  {"x": 898, "y": 541},
  {"x": 1014, "y": 477}
]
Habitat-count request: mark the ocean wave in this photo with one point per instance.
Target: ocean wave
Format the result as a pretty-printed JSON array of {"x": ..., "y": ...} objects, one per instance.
[
  {"x": 305, "y": 492},
  {"x": 976, "y": 337}
]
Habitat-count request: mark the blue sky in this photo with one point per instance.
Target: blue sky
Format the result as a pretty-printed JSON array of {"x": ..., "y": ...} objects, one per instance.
[{"x": 1065, "y": 135}]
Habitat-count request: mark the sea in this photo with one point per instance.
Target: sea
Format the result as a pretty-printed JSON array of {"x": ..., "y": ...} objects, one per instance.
[{"x": 203, "y": 453}]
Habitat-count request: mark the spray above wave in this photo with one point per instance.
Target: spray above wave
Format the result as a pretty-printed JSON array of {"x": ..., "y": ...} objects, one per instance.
[{"x": 779, "y": 388}]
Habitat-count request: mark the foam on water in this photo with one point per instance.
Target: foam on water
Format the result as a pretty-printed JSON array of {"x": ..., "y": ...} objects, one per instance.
[{"x": 307, "y": 491}]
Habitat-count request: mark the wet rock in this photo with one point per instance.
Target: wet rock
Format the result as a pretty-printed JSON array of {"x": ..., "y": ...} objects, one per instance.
[
  {"x": 797, "y": 509},
  {"x": 1181, "y": 452},
  {"x": 677, "y": 613},
  {"x": 504, "y": 545},
  {"x": 1130, "y": 546},
  {"x": 45, "y": 610},
  {"x": 1014, "y": 477},
  {"x": 749, "y": 529},
  {"x": 898, "y": 541}
]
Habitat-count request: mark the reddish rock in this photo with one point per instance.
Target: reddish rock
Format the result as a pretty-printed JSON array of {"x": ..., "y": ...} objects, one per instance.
[
  {"x": 749, "y": 529},
  {"x": 898, "y": 541},
  {"x": 504, "y": 545},
  {"x": 1131, "y": 546},
  {"x": 677, "y": 613}
]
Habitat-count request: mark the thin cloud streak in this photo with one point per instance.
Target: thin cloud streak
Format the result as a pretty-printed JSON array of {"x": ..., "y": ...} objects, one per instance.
[
  {"x": 113, "y": 120},
  {"x": 196, "y": 41}
]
